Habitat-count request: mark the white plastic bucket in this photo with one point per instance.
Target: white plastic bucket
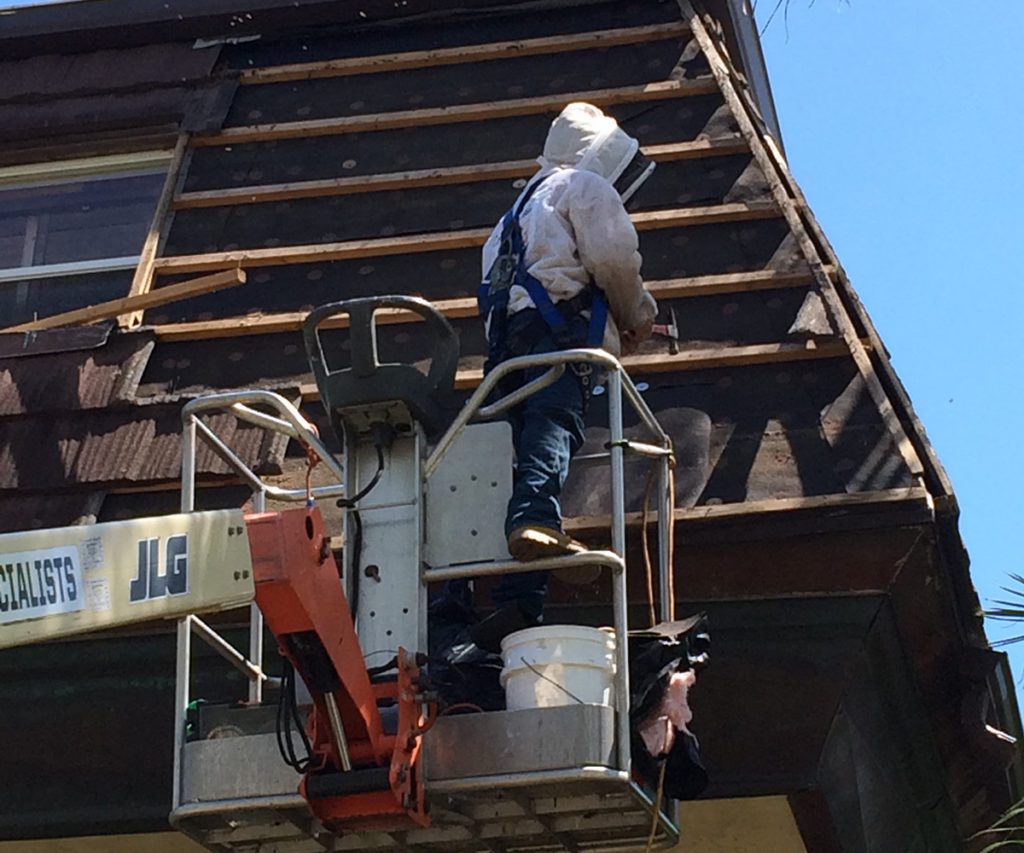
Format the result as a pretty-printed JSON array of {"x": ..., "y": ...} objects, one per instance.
[{"x": 557, "y": 665}]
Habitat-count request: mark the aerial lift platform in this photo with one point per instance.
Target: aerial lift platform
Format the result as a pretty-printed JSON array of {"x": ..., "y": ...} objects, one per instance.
[{"x": 378, "y": 769}]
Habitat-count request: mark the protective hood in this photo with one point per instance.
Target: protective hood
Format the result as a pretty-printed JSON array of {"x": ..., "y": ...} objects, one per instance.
[{"x": 585, "y": 138}]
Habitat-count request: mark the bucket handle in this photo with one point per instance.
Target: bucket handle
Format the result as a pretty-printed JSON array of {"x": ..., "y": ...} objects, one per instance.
[{"x": 561, "y": 687}]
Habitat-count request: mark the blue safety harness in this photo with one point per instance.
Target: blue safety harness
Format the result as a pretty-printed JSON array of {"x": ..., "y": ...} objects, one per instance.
[{"x": 509, "y": 269}]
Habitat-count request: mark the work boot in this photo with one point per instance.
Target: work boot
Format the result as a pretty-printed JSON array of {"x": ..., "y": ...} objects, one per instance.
[{"x": 534, "y": 542}]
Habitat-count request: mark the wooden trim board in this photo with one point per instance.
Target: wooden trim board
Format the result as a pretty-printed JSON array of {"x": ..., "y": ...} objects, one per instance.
[
  {"x": 596, "y": 40},
  {"x": 660, "y": 91},
  {"x": 140, "y": 302},
  {"x": 441, "y": 241},
  {"x": 142, "y": 281},
  {"x": 475, "y": 173}
]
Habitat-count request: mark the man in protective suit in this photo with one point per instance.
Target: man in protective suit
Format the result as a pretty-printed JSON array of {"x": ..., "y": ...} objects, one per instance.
[{"x": 562, "y": 270}]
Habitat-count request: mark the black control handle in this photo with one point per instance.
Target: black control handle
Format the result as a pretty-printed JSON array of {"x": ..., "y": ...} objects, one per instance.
[{"x": 367, "y": 381}]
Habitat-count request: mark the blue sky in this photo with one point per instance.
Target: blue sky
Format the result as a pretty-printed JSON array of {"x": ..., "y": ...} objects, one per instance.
[{"x": 903, "y": 122}]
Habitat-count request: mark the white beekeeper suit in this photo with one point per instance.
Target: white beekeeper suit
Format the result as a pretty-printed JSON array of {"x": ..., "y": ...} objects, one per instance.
[{"x": 575, "y": 226}]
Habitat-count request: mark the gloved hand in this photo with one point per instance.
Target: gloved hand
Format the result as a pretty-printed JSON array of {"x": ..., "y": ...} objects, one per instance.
[{"x": 632, "y": 338}]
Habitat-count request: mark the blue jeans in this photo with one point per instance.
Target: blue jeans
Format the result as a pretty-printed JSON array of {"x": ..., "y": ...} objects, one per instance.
[{"x": 547, "y": 430}]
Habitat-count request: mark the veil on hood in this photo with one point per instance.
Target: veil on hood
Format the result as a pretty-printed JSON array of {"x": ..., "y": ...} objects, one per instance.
[{"x": 583, "y": 137}]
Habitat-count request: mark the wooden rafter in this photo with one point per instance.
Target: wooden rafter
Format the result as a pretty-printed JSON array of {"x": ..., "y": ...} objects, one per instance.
[
  {"x": 466, "y": 53},
  {"x": 453, "y": 309},
  {"x": 787, "y": 205},
  {"x": 142, "y": 281},
  {"x": 140, "y": 302},
  {"x": 660, "y": 91},
  {"x": 441, "y": 241},
  {"x": 697, "y": 359},
  {"x": 430, "y": 177}
]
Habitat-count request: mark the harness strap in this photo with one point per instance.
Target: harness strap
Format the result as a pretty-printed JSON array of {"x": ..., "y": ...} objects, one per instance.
[{"x": 509, "y": 268}]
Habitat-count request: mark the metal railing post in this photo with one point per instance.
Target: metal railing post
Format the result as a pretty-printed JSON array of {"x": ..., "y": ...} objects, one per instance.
[
  {"x": 665, "y": 522},
  {"x": 259, "y": 504},
  {"x": 182, "y": 679},
  {"x": 183, "y": 647},
  {"x": 188, "y": 464},
  {"x": 617, "y": 468}
]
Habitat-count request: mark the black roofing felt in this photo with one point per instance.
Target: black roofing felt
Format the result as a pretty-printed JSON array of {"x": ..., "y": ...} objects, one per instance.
[
  {"x": 49, "y": 76},
  {"x": 691, "y": 251},
  {"x": 704, "y": 322},
  {"x": 447, "y": 85},
  {"x": 683, "y": 183},
  {"x": 21, "y": 344},
  {"x": 429, "y": 147}
]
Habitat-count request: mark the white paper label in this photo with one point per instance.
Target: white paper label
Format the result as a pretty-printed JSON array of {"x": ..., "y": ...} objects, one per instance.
[
  {"x": 91, "y": 551},
  {"x": 97, "y": 594}
]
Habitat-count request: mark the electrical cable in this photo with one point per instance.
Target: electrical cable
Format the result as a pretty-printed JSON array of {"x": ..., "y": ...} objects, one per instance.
[
  {"x": 382, "y": 438},
  {"x": 382, "y": 668},
  {"x": 350, "y": 503},
  {"x": 645, "y": 550},
  {"x": 287, "y": 713},
  {"x": 669, "y": 593},
  {"x": 357, "y": 555},
  {"x": 461, "y": 706}
]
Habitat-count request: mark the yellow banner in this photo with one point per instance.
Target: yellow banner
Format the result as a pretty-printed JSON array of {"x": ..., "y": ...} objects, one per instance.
[{"x": 71, "y": 580}]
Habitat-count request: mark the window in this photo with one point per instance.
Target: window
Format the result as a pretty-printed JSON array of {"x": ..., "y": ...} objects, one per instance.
[{"x": 71, "y": 232}]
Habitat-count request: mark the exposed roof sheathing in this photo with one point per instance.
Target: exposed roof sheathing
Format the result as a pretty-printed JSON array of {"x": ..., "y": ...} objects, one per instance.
[{"x": 420, "y": 136}]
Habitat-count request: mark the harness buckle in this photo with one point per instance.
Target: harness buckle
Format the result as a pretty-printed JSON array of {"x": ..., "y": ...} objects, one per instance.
[{"x": 504, "y": 271}]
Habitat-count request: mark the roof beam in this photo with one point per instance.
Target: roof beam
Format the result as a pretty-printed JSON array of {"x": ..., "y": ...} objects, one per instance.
[
  {"x": 659, "y": 91},
  {"x": 441, "y": 241},
  {"x": 454, "y": 309},
  {"x": 431, "y": 177},
  {"x": 140, "y": 302},
  {"x": 466, "y": 53}
]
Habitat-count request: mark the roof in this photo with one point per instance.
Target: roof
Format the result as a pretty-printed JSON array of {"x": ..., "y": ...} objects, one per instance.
[{"x": 363, "y": 157}]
